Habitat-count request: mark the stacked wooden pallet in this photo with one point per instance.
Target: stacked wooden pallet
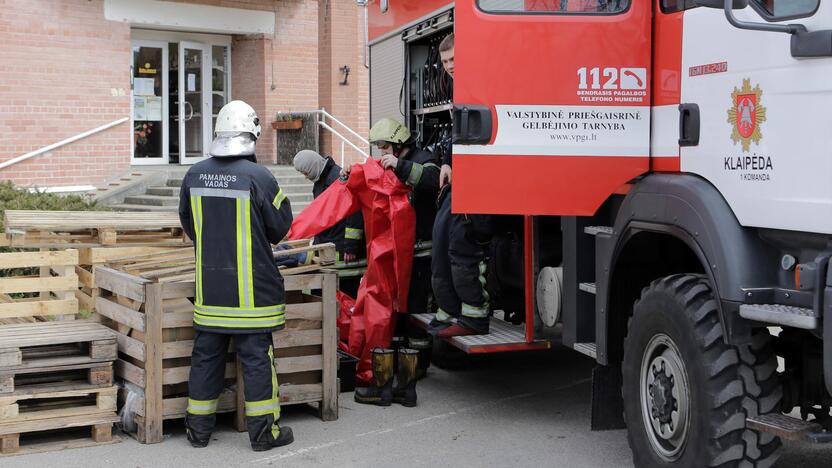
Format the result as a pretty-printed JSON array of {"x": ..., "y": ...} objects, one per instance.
[
  {"x": 145, "y": 299},
  {"x": 90, "y": 229},
  {"x": 54, "y": 374}
]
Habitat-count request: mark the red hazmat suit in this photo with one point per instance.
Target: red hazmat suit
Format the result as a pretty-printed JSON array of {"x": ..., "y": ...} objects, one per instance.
[{"x": 390, "y": 232}]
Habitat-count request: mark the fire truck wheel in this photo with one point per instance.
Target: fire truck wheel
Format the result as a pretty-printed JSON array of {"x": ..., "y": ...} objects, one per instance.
[
  {"x": 687, "y": 393},
  {"x": 446, "y": 356}
]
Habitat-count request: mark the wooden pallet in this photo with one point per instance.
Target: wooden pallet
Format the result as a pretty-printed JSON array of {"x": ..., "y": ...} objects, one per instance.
[
  {"x": 59, "y": 378},
  {"x": 61, "y": 229},
  {"x": 23, "y": 406},
  {"x": 50, "y": 294},
  {"x": 37, "y": 346},
  {"x": 154, "y": 321},
  {"x": 22, "y": 438}
]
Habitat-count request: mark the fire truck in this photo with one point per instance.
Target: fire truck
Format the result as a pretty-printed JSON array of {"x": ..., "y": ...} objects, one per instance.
[{"x": 662, "y": 169}]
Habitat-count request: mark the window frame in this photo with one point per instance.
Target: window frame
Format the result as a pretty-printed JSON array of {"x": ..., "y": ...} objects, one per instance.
[
  {"x": 764, "y": 13},
  {"x": 688, "y": 5},
  {"x": 551, "y": 13}
]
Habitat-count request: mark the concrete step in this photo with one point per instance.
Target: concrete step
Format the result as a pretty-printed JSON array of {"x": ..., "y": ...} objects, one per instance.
[
  {"x": 152, "y": 200},
  {"x": 163, "y": 191},
  {"x": 174, "y": 182},
  {"x": 296, "y": 188},
  {"x": 299, "y": 198},
  {"x": 292, "y": 179}
]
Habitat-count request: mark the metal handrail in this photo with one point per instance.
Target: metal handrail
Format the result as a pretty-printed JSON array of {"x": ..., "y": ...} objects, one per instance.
[
  {"x": 67, "y": 141},
  {"x": 323, "y": 115}
]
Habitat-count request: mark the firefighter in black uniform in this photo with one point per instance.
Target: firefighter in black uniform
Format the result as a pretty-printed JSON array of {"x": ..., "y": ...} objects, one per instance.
[
  {"x": 347, "y": 235},
  {"x": 459, "y": 250},
  {"x": 233, "y": 209},
  {"x": 418, "y": 169}
]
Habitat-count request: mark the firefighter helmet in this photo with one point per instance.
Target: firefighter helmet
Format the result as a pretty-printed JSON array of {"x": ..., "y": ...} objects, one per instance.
[
  {"x": 236, "y": 131},
  {"x": 389, "y": 130}
]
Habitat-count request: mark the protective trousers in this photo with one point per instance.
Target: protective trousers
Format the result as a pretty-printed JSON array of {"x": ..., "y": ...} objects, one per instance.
[
  {"x": 208, "y": 362},
  {"x": 459, "y": 269}
]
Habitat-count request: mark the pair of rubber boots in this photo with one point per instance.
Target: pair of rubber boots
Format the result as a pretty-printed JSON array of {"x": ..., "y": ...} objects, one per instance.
[
  {"x": 383, "y": 391},
  {"x": 284, "y": 437}
]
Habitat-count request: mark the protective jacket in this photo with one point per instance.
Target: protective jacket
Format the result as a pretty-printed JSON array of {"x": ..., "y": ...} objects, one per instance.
[
  {"x": 418, "y": 169},
  {"x": 233, "y": 209}
]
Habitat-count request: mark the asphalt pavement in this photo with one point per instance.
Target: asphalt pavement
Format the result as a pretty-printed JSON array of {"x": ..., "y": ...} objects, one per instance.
[{"x": 509, "y": 410}]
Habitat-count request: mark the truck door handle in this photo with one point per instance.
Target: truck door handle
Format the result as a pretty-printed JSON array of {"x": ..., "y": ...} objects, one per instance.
[
  {"x": 689, "y": 124},
  {"x": 472, "y": 124}
]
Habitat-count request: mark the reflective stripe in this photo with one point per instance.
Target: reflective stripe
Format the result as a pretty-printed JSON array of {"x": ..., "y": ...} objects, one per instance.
[
  {"x": 443, "y": 316},
  {"x": 278, "y": 199},
  {"x": 351, "y": 273},
  {"x": 423, "y": 253},
  {"x": 415, "y": 174},
  {"x": 423, "y": 245},
  {"x": 202, "y": 406},
  {"x": 196, "y": 211},
  {"x": 244, "y": 323},
  {"x": 352, "y": 233},
  {"x": 244, "y": 263},
  {"x": 483, "y": 282},
  {"x": 430, "y": 164},
  {"x": 473, "y": 311},
  {"x": 234, "y": 311},
  {"x": 263, "y": 407},
  {"x": 275, "y": 395},
  {"x": 359, "y": 263},
  {"x": 220, "y": 193}
]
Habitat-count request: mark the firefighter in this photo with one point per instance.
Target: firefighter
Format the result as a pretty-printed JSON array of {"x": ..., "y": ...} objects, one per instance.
[
  {"x": 347, "y": 235},
  {"x": 418, "y": 169},
  {"x": 233, "y": 209},
  {"x": 459, "y": 249}
]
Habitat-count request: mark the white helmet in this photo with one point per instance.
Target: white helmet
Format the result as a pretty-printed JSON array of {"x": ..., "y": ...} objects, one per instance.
[{"x": 237, "y": 130}]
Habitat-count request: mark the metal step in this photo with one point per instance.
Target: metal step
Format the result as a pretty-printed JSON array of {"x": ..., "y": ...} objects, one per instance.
[
  {"x": 787, "y": 316},
  {"x": 789, "y": 428},
  {"x": 503, "y": 336},
  {"x": 595, "y": 230},
  {"x": 587, "y": 287},
  {"x": 588, "y": 349}
]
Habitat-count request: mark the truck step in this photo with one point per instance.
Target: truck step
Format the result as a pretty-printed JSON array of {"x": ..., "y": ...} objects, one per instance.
[
  {"x": 503, "y": 337},
  {"x": 587, "y": 287},
  {"x": 588, "y": 349},
  {"x": 595, "y": 230},
  {"x": 788, "y": 316},
  {"x": 789, "y": 428}
]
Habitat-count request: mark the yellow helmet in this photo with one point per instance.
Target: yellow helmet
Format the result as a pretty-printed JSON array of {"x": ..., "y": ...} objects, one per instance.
[{"x": 389, "y": 130}]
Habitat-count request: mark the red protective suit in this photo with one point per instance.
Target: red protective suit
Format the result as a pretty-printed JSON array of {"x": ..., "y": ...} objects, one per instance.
[{"x": 390, "y": 232}]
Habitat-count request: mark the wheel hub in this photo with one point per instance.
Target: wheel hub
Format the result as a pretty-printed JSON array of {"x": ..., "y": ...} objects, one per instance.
[{"x": 665, "y": 397}]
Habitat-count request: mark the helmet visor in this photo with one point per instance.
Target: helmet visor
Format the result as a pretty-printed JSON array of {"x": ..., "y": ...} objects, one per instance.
[{"x": 230, "y": 144}]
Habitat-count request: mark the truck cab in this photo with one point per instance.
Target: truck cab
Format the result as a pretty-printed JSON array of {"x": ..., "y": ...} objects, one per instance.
[{"x": 662, "y": 169}]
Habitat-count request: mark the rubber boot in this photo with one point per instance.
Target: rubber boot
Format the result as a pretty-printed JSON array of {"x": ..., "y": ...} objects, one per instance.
[
  {"x": 285, "y": 437},
  {"x": 380, "y": 393},
  {"x": 198, "y": 439},
  {"x": 404, "y": 392},
  {"x": 425, "y": 347}
]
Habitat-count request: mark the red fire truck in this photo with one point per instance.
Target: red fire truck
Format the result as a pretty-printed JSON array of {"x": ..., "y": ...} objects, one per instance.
[{"x": 666, "y": 167}]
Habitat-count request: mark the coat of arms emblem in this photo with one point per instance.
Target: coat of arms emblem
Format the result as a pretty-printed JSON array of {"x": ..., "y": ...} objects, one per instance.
[{"x": 746, "y": 114}]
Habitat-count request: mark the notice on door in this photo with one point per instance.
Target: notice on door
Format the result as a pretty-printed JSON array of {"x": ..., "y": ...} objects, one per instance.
[
  {"x": 154, "y": 108},
  {"x": 569, "y": 131},
  {"x": 191, "y": 82},
  {"x": 139, "y": 108},
  {"x": 143, "y": 87}
]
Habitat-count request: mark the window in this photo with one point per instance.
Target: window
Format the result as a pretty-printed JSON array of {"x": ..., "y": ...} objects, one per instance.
[
  {"x": 783, "y": 9},
  {"x": 554, "y": 6}
]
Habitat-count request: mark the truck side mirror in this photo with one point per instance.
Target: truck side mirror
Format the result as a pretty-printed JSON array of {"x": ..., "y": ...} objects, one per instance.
[{"x": 737, "y": 4}]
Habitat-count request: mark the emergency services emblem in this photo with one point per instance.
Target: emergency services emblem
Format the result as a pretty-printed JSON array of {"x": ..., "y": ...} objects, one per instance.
[{"x": 746, "y": 114}]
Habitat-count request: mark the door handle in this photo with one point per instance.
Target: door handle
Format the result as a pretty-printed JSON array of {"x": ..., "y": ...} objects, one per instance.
[
  {"x": 472, "y": 124},
  {"x": 689, "y": 124},
  {"x": 191, "y": 115}
]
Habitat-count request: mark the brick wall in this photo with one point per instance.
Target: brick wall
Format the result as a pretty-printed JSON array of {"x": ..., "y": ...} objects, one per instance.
[
  {"x": 65, "y": 70},
  {"x": 57, "y": 80}
]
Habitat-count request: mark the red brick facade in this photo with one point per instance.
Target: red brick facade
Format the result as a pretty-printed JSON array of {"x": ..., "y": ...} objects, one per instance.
[{"x": 65, "y": 70}]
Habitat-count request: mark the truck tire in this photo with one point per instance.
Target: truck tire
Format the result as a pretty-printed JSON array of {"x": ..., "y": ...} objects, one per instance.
[{"x": 687, "y": 393}]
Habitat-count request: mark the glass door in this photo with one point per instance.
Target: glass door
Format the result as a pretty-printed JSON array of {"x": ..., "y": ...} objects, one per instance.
[
  {"x": 193, "y": 99},
  {"x": 148, "y": 105}
]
